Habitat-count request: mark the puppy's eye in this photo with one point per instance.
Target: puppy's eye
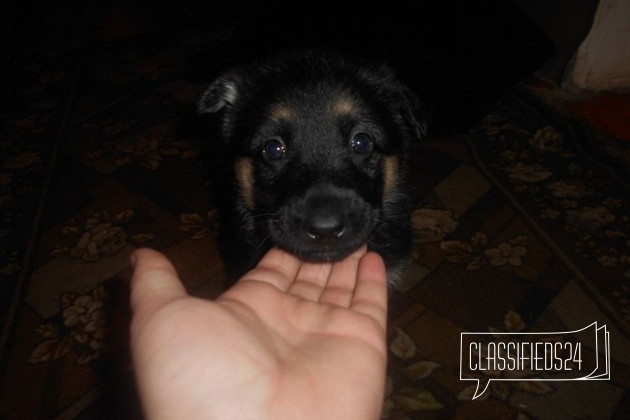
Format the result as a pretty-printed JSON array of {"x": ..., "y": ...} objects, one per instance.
[
  {"x": 361, "y": 143},
  {"x": 274, "y": 149}
]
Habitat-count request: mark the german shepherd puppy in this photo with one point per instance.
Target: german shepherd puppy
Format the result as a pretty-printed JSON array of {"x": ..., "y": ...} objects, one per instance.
[{"x": 318, "y": 143}]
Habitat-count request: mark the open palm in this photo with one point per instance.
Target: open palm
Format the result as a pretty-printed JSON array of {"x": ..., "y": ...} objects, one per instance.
[{"x": 289, "y": 340}]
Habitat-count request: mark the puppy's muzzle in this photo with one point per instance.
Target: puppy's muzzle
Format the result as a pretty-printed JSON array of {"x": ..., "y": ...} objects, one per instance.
[{"x": 325, "y": 224}]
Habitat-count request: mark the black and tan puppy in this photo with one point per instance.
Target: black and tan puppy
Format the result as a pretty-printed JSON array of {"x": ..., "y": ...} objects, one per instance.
[{"x": 318, "y": 143}]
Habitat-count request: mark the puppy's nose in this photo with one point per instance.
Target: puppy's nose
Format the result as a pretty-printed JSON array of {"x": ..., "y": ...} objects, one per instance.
[{"x": 325, "y": 226}]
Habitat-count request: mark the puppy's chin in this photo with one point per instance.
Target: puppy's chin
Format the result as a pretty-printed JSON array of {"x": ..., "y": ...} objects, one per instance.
[{"x": 323, "y": 254}]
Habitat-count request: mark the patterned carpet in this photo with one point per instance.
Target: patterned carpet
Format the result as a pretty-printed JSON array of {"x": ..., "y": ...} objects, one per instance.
[{"x": 520, "y": 226}]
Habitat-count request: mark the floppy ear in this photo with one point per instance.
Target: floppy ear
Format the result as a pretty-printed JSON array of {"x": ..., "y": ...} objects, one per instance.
[
  {"x": 221, "y": 92},
  {"x": 409, "y": 106},
  {"x": 413, "y": 112}
]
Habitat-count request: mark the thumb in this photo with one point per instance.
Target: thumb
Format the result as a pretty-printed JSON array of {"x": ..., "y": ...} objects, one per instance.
[{"x": 154, "y": 281}]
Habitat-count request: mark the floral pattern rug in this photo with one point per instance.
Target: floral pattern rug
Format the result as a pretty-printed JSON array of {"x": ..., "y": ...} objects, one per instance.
[
  {"x": 578, "y": 201},
  {"x": 518, "y": 227}
]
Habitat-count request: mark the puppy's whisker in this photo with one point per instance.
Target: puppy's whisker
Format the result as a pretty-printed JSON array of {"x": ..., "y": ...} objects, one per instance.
[
  {"x": 261, "y": 246},
  {"x": 273, "y": 216},
  {"x": 377, "y": 220}
]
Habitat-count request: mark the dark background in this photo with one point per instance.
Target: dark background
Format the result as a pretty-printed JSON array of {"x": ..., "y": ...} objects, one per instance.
[{"x": 464, "y": 52}]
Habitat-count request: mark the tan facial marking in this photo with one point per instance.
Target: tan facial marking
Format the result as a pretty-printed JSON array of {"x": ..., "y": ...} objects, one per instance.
[
  {"x": 244, "y": 170},
  {"x": 343, "y": 106},
  {"x": 281, "y": 112},
  {"x": 390, "y": 175}
]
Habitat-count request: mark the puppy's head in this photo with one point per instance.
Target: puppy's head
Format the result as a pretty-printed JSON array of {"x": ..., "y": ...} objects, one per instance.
[{"x": 319, "y": 143}]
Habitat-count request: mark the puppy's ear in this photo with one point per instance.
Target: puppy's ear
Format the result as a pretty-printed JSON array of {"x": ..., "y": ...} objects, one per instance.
[
  {"x": 413, "y": 112},
  {"x": 408, "y": 106},
  {"x": 222, "y": 92}
]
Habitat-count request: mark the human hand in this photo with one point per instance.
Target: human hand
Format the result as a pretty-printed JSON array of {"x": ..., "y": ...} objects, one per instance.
[{"x": 290, "y": 340}]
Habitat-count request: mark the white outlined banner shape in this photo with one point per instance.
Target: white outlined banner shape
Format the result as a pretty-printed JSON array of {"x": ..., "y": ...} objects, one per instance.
[{"x": 577, "y": 355}]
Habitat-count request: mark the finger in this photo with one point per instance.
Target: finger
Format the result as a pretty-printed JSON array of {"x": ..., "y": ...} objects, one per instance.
[
  {"x": 342, "y": 281},
  {"x": 154, "y": 280},
  {"x": 370, "y": 295},
  {"x": 276, "y": 267},
  {"x": 310, "y": 281}
]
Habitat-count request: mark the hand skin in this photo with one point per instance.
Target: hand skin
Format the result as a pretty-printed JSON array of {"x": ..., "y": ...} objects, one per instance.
[{"x": 290, "y": 340}]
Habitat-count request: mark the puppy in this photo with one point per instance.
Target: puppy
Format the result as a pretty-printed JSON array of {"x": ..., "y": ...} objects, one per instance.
[{"x": 317, "y": 143}]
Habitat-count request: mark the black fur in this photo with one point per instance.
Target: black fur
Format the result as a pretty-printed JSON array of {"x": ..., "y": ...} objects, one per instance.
[{"x": 318, "y": 144}]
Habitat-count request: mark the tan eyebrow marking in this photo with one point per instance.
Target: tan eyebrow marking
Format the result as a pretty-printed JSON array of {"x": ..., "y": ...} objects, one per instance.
[
  {"x": 282, "y": 112},
  {"x": 343, "y": 106}
]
